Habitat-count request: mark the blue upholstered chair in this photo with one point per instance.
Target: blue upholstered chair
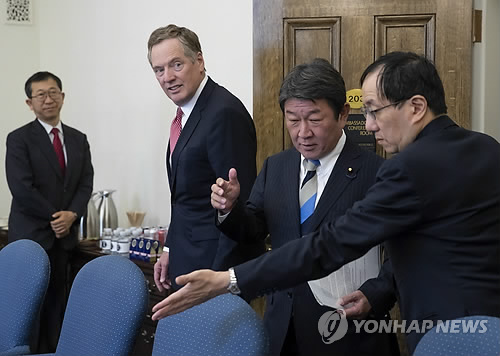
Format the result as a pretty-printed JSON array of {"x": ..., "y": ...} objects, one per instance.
[
  {"x": 24, "y": 277},
  {"x": 106, "y": 307},
  {"x": 223, "y": 326},
  {"x": 484, "y": 341}
]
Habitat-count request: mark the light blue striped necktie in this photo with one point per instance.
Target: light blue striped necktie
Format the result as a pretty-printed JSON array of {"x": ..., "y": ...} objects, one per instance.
[{"x": 308, "y": 190}]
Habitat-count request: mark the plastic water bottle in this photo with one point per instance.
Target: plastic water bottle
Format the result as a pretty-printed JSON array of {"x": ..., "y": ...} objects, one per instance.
[
  {"x": 123, "y": 244},
  {"x": 105, "y": 242},
  {"x": 114, "y": 242}
]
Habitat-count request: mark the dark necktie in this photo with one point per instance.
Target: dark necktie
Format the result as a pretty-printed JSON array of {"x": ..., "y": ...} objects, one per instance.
[
  {"x": 59, "y": 149},
  {"x": 308, "y": 190},
  {"x": 175, "y": 129}
]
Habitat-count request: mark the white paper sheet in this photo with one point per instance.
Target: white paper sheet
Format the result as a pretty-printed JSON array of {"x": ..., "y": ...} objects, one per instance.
[{"x": 350, "y": 277}]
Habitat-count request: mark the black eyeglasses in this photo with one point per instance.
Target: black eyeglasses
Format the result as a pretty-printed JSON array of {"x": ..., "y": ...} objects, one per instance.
[
  {"x": 371, "y": 113},
  {"x": 54, "y": 95}
]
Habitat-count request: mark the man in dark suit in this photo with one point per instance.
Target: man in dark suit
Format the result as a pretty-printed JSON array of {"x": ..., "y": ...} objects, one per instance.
[
  {"x": 316, "y": 112},
  {"x": 436, "y": 203},
  {"x": 50, "y": 176},
  {"x": 211, "y": 133}
]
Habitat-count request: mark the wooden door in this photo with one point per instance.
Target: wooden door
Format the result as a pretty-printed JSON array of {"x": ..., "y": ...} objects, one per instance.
[{"x": 351, "y": 34}]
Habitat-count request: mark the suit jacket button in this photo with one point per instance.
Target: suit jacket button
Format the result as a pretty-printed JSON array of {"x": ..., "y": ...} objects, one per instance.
[{"x": 290, "y": 295}]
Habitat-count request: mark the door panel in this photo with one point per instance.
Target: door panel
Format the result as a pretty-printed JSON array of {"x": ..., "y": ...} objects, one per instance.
[
  {"x": 414, "y": 33},
  {"x": 306, "y": 39}
]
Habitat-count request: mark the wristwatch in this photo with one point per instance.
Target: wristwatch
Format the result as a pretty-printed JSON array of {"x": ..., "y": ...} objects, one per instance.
[{"x": 233, "y": 283}]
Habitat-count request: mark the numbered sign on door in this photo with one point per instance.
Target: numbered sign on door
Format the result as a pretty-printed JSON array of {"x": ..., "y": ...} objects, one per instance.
[{"x": 355, "y": 98}]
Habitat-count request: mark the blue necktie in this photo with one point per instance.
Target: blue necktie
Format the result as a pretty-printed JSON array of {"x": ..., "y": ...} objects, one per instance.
[{"x": 308, "y": 190}]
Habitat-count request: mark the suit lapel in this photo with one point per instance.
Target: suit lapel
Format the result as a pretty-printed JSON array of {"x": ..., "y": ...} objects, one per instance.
[
  {"x": 71, "y": 147},
  {"x": 291, "y": 174},
  {"x": 169, "y": 167},
  {"x": 188, "y": 129},
  {"x": 340, "y": 178},
  {"x": 41, "y": 139}
]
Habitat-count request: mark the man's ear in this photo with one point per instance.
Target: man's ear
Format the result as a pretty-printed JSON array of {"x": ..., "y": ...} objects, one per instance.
[
  {"x": 418, "y": 106},
  {"x": 29, "y": 103},
  {"x": 201, "y": 61},
  {"x": 344, "y": 113}
]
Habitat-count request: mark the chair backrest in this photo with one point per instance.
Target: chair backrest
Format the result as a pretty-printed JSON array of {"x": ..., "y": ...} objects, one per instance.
[
  {"x": 225, "y": 325},
  {"x": 24, "y": 277},
  {"x": 473, "y": 335},
  {"x": 106, "y": 307}
]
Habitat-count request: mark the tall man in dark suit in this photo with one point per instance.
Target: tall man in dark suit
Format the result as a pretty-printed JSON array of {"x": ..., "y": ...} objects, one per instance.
[
  {"x": 211, "y": 133},
  {"x": 436, "y": 203},
  {"x": 50, "y": 176},
  {"x": 313, "y": 100}
]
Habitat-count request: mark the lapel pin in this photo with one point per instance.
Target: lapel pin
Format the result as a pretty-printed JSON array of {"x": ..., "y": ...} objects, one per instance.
[{"x": 350, "y": 173}]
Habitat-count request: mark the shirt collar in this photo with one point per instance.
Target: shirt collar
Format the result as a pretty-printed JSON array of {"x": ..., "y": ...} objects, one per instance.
[
  {"x": 188, "y": 108},
  {"x": 49, "y": 128}
]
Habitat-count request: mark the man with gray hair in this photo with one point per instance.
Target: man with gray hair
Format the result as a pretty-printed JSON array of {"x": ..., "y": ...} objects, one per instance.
[{"x": 211, "y": 133}]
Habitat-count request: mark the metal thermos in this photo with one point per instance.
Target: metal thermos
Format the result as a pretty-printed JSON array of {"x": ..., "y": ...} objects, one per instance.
[
  {"x": 89, "y": 222},
  {"x": 106, "y": 210}
]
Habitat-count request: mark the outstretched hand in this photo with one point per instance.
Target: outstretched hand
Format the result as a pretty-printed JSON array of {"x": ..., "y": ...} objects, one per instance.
[
  {"x": 226, "y": 192},
  {"x": 199, "y": 286}
]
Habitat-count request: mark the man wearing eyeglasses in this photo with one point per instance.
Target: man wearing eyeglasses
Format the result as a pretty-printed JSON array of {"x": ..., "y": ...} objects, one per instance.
[
  {"x": 436, "y": 204},
  {"x": 50, "y": 176}
]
